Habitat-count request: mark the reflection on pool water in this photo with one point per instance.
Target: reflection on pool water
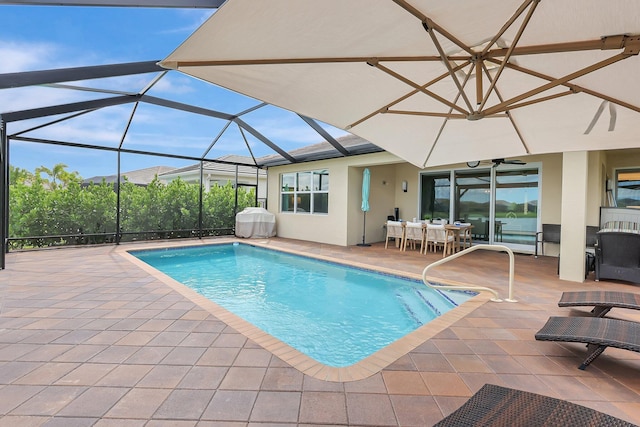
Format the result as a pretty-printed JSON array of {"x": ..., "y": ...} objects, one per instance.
[{"x": 335, "y": 314}]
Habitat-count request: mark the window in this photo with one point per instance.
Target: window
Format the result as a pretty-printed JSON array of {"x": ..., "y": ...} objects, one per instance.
[
  {"x": 436, "y": 195},
  {"x": 305, "y": 192},
  {"x": 628, "y": 187}
]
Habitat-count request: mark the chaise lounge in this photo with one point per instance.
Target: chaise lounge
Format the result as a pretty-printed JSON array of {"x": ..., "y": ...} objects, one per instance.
[
  {"x": 602, "y": 301},
  {"x": 597, "y": 332},
  {"x": 494, "y": 405}
]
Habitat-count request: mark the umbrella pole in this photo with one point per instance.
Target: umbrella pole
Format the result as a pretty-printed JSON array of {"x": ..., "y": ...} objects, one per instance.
[{"x": 364, "y": 229}]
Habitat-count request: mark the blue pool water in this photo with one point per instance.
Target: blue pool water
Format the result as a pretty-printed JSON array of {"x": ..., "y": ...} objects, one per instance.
[{"x": 334, "y": 314}]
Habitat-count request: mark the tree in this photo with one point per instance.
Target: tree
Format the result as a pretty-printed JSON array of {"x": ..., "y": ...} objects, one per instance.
[{"x": 59, "y": 173}]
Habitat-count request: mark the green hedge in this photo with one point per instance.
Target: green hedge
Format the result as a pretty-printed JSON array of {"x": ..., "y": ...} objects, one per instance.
[{"x": 60, "y": 210}]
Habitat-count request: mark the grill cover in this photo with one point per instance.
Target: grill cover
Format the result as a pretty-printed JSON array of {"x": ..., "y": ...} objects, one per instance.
[{"x": 255, "y": 222}]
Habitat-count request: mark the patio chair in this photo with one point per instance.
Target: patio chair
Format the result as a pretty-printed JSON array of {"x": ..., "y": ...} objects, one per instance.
[
  {"x": 465, "y": 236},
  {"x": 618, "y": 256},
  {"x": 494, "y": 405},
  {"x": 414, "y": 233},
  {"x": 597, "y": 332},
  {"x": 550, "y": 234},
  {"x": 602, "y": 301},
  {"x": 435, "y": 237},
  {"x": 395, "y": 230}
]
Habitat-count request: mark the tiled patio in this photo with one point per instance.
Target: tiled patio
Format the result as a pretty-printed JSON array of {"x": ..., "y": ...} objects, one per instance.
[{"x": 89, "y": 338}]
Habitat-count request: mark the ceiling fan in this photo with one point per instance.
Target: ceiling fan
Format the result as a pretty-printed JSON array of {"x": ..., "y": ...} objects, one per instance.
[{"x": 497, "y": 162}]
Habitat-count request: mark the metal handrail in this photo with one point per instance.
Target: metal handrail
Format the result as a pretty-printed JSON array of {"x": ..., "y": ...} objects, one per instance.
[{"x": 499, "y": 248}]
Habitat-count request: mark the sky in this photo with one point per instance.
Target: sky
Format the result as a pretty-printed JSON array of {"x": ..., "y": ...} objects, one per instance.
[{"x": 36, "y": 38}]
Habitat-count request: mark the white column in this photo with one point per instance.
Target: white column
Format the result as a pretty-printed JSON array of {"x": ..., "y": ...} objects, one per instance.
[{"x": 575, "y": 173}]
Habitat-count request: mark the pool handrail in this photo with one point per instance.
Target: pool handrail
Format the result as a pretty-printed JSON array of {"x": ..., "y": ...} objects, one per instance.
[{"x": 499, "y": 248}]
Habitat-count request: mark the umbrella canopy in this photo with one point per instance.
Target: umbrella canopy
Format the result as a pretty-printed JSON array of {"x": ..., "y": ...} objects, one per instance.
[
  {"x": 436, "y": 82},
  {"x": 366, "y": 183}
]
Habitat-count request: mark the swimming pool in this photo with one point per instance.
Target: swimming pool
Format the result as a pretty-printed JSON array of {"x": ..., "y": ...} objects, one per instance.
[{"x": 335, "y": 314}]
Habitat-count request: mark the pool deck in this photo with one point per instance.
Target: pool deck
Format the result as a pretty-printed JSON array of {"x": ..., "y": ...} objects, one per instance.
[{"x": 90, "y": 338}]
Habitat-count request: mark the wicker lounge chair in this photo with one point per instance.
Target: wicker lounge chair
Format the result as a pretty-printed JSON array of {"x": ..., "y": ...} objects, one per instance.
[
  {"x": 496, "y": 406},
  {"x": 597, "y": 332},
  {"x": 602, "y": 301}
]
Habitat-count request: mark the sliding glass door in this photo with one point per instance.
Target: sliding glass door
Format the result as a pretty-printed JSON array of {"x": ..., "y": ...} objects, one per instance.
[
  {"x": 516, "y": 206},
  {"x": 472, "y": 201},
  {"x": 500, "y": 202}
]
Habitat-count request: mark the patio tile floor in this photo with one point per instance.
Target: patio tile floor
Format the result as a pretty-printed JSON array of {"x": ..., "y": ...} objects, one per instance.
[{"x": 87, "y": 338}]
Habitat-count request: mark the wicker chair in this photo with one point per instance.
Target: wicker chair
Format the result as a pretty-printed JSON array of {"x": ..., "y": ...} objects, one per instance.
[
  {"x": 496, "y": 406},
  {"x": 618, "y": 256}
]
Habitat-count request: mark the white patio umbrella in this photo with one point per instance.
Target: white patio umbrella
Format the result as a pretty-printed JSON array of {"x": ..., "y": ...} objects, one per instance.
[{"x": 436, "y": 82}]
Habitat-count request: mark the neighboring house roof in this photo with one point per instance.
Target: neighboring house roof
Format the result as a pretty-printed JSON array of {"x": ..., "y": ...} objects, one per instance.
[
  {"x": 323, "y": 150},
  {"x": 138, "y": 177},
  {"x": 225, "y": 165}
]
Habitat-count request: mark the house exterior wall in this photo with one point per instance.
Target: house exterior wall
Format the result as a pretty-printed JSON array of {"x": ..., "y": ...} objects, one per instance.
[{"x": 343, "y": 225}]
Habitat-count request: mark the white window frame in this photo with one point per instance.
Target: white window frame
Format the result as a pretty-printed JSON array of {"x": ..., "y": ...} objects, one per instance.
[{"x": 297, "y": 192}]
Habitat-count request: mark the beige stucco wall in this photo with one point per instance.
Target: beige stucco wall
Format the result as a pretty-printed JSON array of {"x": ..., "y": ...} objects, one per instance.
[
  {"x": 381, "y": 203},
  {"x": 343, "y": 225},
  {"x": 408, "y": 202}
]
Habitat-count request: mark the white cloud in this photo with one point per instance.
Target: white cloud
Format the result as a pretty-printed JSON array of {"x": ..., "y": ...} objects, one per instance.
[
  {"x": 173, "y": 84},
  {"x": 196, "y": 18},
  {"x": 22, "y": 56}
]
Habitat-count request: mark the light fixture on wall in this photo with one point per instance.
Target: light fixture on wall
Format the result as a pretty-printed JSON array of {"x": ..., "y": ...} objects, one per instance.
[{"x": 404, "y": 186}]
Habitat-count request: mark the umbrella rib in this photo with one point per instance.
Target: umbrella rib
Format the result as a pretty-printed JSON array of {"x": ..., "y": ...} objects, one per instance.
[
  {"x": 444, "y": 123},
  {"x": 506, "y": 26},
  {"x": 445, "y": 60},
  {"x": 538, "y": 100},
  {"x": 605, "y": 43},
  {"x": 424, "y": 19},
  {"x": 283, "y": 61},
  {"x": 557, "y": 82},
  {"x": 402, "y": 98},
  {"x": 506, "y": 58},
  {"x": 575, "y": 88},
  {"x": 416, "y": 86},
  {"x": 513, "y": 122},
  {"x": 427, "y": 113}
]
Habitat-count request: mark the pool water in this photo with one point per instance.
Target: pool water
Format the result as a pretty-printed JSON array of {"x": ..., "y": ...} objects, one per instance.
[{"x": 335, "y": 314}]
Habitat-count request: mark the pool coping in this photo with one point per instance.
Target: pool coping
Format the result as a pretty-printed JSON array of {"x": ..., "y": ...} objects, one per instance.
[{"x": 358, "y": 371}]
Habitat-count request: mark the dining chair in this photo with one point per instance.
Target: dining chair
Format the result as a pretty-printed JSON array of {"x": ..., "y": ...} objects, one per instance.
[
  {"x": 414, "y": 232},
  {"x": 450, "y": 237},
  {"x": 465, "y": 236},
  {"x": 395, "y": 230},
  {"x": 435, "y": 237}
]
